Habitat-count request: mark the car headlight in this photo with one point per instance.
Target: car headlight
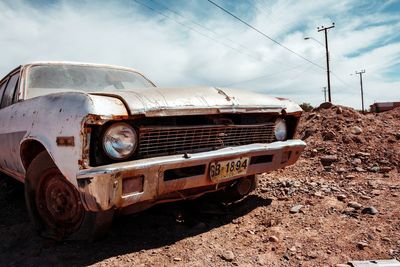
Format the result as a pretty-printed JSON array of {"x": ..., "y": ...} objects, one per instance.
[
  {"x": 280, "y": 129},
  {"x": 119, "y": 141}
]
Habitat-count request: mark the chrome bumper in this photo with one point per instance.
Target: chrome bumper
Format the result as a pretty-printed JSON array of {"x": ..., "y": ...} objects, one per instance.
[{"x": 101, "y": 187}]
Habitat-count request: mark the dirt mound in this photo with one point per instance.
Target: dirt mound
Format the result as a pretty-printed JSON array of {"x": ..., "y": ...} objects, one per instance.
[{"x": 345, "y": 140}]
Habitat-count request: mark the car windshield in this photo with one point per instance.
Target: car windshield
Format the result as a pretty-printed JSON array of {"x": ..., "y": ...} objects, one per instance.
[{"x": 83, "y": 78}]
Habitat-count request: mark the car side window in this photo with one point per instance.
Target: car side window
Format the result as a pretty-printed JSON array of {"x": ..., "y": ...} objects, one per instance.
[
  {"x": 2, "y": 87},
  {"x": 9, "y": 91}
]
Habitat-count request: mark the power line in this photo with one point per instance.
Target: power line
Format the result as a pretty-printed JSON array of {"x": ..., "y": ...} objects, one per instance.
[
  {"x": 265, "y": 76},
  {"x": 203, "y": 27},
  {"x": 343, "y": 82},
  {"x": 265, "y": 35},
  {"x": 193, "y": 29},
  {"x": 215, "y": 33}
]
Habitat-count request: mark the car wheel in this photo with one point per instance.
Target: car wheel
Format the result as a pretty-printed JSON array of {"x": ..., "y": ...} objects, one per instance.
[
  {"x": 55, "y": 206},
  {"x": 239, "y": 189}
]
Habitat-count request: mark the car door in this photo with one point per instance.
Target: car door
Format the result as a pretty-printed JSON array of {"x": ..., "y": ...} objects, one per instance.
[{"x": 10, "y": 126}]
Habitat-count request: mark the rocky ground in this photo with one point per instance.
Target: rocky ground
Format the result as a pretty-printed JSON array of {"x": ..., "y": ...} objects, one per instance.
[{"x": 340, "y": 202}]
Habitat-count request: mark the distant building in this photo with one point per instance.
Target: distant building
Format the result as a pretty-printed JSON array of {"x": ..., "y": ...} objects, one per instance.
[{"x": 384, "y": 106}]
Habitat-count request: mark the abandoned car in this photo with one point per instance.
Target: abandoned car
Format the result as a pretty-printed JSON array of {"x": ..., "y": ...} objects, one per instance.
[{"x": 89, "y": 140}]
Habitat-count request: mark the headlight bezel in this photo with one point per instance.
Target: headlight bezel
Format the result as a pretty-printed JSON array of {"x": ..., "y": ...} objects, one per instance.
[
  {"x": 112, "y": 155},
  {"x": 281, "y": 129}
]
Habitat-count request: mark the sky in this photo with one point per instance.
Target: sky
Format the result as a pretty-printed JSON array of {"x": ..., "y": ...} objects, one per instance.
[{"x": 178, "y": 43}]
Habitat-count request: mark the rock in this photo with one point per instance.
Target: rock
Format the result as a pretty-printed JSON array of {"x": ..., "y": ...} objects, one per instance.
[
  {"x": 312, "y": 255},
  {"x": 328, "y": 168},
  {"x": 357, "y": 139},
  {"x": 362, "y": 245},
  {"x": 296, "y": 209},
  {"x": 341, "y": 170},
  {"x": 369, "y": 210},
  {"x": 359, "y": 169},
  {"x": 354, "y": 205},
  {"x": 341, "y": 197},
  {"x": 346, "y": 139},
  {"x": 385, "y": 169},
  {"x": 398, "y": 136},
  {"x": 328, "y": 160},
  {"x": 384, "y": 162},
  {"x": 326, "y": 105},
  {"x": 307, "y": 133},
  {"x": 227, "y": 255},
  {"x": 350, "y": 176},
  {"x": 349, "y": 210},
  {"x": 375, "y": 169},
  {"x": 356, "y": 161},
  {"x": 342, "y": 265},
  {"x": 318, "y": 194},
  {"x": 309, "y": 117},
  {"x": 363, "y": 154},
  {"x": 339, "y": 110},
  {"x": 177, "y": 259},
  {"x": 326, "y": 190},
  {"x": 328, "y": 135},
  {"x": 356, "y": 130},
  {"x": 376, "y": 192},
  {"x": 365, "y": 197},
  {"x": 313, "y": 152},
  {"x": 273, "y": 238}
]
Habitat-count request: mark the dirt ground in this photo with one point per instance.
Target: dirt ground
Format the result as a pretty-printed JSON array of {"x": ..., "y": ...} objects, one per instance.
[{"x": 340, "y": 202}]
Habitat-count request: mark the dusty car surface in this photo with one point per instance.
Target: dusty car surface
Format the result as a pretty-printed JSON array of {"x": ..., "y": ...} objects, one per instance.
[{"x": 89, "y": 140}]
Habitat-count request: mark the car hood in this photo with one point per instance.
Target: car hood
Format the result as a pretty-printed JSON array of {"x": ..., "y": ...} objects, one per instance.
[{"x": 198, "y": 100}]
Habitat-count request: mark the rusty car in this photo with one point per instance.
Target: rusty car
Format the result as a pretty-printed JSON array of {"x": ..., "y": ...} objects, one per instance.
[{"x": 90, "y": 141}]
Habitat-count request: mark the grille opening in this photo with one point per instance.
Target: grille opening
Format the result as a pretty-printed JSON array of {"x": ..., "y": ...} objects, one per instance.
[
  {"x": 184, "y": 172},
  {"x": 155, "y": 141},
  {"x": 261, "y": 159}
]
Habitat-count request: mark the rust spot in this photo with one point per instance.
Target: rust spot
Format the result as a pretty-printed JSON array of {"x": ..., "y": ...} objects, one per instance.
[{"x": 65, "y": 141}]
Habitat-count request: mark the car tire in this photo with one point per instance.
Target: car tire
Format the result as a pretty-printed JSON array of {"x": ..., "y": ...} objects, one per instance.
[
  {"x": 238, "y": 189},
  {"x": 55, "y": 206}
]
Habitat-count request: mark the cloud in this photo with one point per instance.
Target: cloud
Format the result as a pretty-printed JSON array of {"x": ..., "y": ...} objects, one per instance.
[{"x": 193, "y": 43}]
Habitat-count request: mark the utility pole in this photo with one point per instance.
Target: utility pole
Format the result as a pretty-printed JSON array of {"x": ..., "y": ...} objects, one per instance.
[
  {"x": 325, "y": 29},
  {"x": 362, "y": 92},
  {"x": 324, "y": 90}
]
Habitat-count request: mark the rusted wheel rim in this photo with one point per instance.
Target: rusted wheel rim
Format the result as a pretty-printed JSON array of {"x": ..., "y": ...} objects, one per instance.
[{"x": 58, "y": 203}]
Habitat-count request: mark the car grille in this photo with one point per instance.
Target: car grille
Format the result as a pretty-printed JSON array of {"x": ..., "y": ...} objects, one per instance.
[{"x": 160, "y": 140}]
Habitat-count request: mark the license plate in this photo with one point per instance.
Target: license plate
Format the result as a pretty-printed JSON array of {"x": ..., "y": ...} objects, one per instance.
[{"x": 228, "y": 168}]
